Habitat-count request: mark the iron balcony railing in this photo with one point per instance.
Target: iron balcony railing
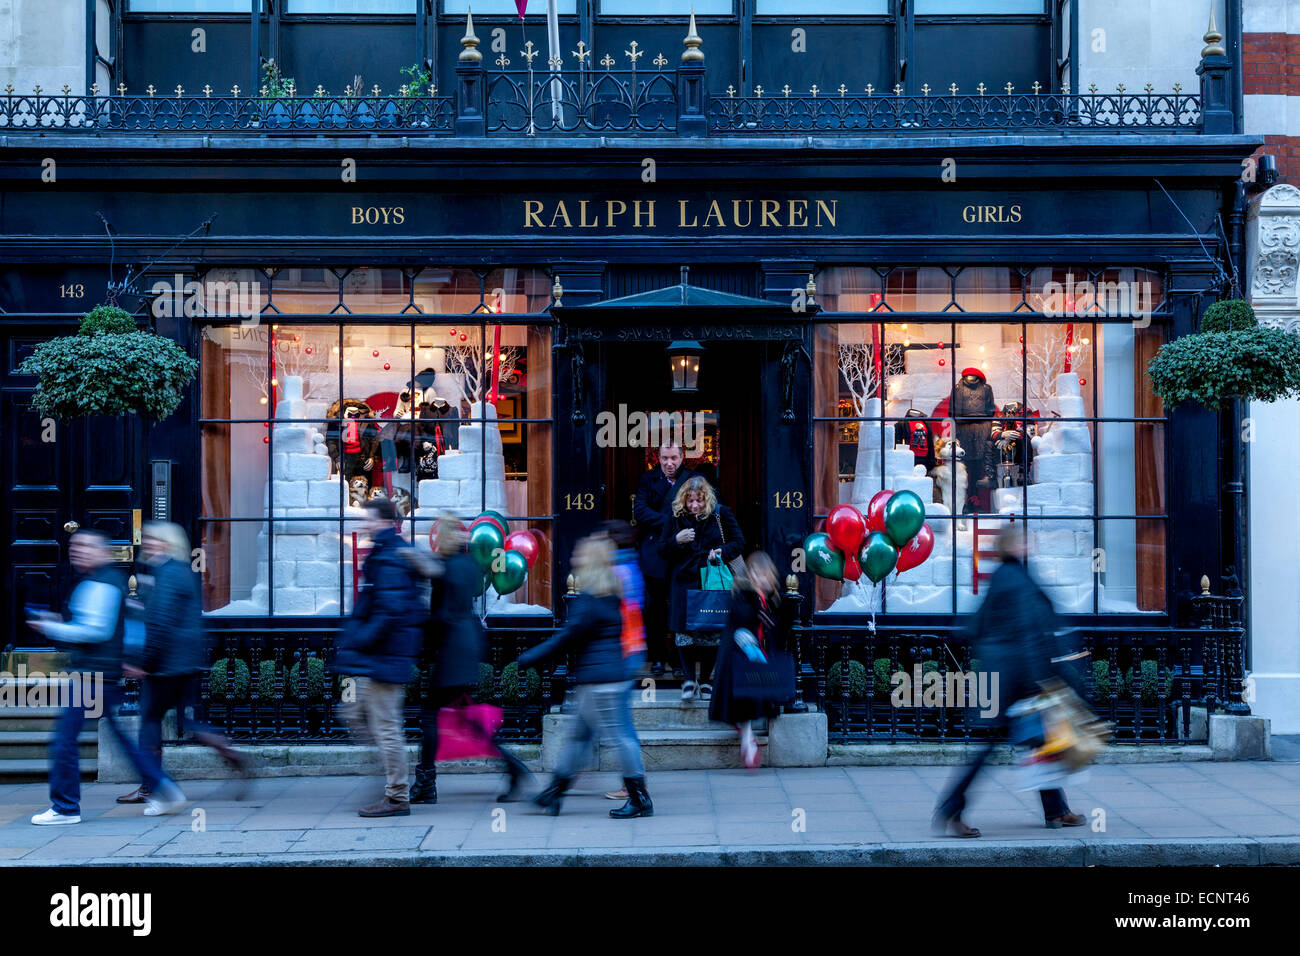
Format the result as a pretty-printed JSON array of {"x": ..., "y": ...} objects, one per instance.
[{"x": 590, "y": 101}]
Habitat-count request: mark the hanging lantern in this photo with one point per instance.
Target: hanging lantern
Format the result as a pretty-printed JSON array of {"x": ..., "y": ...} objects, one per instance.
[{"x": 684, "y": 357}]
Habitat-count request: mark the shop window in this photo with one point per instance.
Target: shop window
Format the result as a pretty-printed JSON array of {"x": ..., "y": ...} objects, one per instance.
[
  {"x": 537, "y": 8},
  {"x": 304, "y": 291},
  {"x": 823, "y": 8},
  {"x": 188, "y": 6},
  {"x": 665, "y": 8},
  {"x": 350, "y": 6},
  {"x": 368, "y": 290},
  {"x": 303, "y": 423},
  {"x": 973, "y": 7},
  {"x": 919, "y": 290},
  {"x": 993, "y": 422}
]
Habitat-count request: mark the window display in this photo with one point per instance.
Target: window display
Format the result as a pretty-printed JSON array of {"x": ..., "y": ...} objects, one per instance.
[
  {"x": 1033, "y": 419},
  {"x": 303, "y": 424}
]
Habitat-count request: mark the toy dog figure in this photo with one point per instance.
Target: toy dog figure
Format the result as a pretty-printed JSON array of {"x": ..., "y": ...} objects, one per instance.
[
  {"x": 358, "y": 492},
  {"x": 949, "y": 474},
  {"x": 402, "y": 502}
]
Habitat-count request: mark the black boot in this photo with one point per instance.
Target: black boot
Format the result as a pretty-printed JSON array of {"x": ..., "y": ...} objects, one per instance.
[
  {"x": 518, "y": 774},
  {"x": 425, "y": 788},
  {"x": 638, "y": 801},
  {"x": 550, "y": 798}
]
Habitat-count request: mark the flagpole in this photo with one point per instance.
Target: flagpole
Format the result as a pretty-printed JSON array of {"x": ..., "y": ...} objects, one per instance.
[{"x": 554, "y": 60}]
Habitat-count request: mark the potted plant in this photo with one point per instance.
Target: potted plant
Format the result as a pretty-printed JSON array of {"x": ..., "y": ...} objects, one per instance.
[
  {"x": 109, "y": 368},
  {"x": 1231, "y": 357},
  {"x": 276, "y": 87},
  {"x": 415, "y": 95}
]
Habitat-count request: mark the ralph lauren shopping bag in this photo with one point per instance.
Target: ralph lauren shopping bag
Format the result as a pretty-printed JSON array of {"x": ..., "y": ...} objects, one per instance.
[
  {"x": 770, "y": 681},
  {"x": 707, "y": 611}
]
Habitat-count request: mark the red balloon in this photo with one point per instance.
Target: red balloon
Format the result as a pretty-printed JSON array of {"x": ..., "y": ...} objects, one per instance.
[
  {"x": 525, "y": 544},
  {"x": 852, "y": 570},
  {"x": 916, "y": 550},
  {"x": 490, "y": 520},
  {"x": 876, "y": 510},
  {"x": 846, "y": 528}
]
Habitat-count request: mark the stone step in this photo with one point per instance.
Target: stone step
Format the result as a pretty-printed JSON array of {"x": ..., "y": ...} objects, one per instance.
[
  {"x": 37, "y": 771},
  {"x": 712, "y": 748},
  {"x": 35, "y": 744},
  {"x": 29, "y": 718}
]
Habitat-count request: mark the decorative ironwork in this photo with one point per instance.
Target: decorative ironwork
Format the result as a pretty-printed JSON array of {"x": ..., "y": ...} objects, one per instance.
[{"x": 614, "y": 100}]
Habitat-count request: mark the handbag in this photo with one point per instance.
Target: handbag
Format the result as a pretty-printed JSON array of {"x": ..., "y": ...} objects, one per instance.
[
  {"x": 715, "y": 577},
  {"x": 770, "y": 681},
  {"x": 707, "y": 611},
  {"x": 737, "y": 564},
  {"x": 465, "y": 731}
]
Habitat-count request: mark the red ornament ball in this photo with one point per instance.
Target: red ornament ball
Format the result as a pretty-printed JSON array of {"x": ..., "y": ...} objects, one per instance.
[
  {"x": 308, "y": 350},
  {"x": 1083, "y": 381},
  {"x": 464, "y": 337},
  {"x": 940, "y": 345},
  {"x": 387, "y": 366},
  {"x": 296, "y": 339},
  {"x": 266, "y": 440},
  {"x": 942, "y": 363},
  {"x": 453, "y": 333},
  {"x": 375, "y": 353},
  {"x": 1021, "y": 338}
]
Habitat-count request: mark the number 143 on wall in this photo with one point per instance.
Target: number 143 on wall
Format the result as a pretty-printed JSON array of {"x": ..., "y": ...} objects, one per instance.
[{"x": 787, "y": 499}]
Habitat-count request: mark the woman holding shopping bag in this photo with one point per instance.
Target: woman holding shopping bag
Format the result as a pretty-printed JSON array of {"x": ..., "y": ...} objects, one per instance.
[
  {"x": 755, "y": 673},
  {"x": 700, "y": 535},
  {"x": 593, "y": 635}
]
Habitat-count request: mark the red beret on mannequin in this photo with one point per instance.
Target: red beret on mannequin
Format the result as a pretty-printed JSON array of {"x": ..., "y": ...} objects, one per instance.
[{"x": 974, "y": 371}]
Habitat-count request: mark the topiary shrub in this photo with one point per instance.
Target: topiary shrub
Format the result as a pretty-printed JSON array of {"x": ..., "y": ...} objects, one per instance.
[
  {"x": 510, "y": 684},
  {"x": 1101, "y": 681},
  {"x": 857, "y": 681},
  {"x": 1231, "y": 357},
  {"x": 266, "y": 680},
  {"x": 109, "y": 368},
  {"x": 217, "y": 680},
  {"x": 882, "y": 673},
  {"x": 315, "y": 680},
  {"x": 486, "y": 683},
  {"x": 1150, "y": 673},
  {"x": 1230, "y": 315}
]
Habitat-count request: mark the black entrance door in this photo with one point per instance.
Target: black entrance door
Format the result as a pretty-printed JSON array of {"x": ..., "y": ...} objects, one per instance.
[
  {"x": 726, "y": 404},
  {"x": 55, "y": 477}
]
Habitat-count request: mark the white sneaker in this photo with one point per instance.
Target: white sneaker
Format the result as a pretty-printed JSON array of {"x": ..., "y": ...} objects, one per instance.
[
  {"x": 688, "y": 690},
  {"x": 53, "y": 818},
  {"x": 169, "y": 799}
]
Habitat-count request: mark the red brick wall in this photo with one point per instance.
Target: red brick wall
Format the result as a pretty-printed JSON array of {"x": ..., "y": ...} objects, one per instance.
[{"x": 1271, "y": 65}]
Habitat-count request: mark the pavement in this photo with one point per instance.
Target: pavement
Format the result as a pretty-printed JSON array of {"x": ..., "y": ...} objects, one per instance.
[{"x": 1139, "y": 815}]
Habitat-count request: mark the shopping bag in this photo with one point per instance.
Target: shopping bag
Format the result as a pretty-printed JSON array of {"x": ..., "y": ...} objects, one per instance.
[
  {"x": 715, "y": 577},
  {"x": 466, "y": 731},
  {"x": 707, "y": 611},
  {"x": 770, "y": 681}
]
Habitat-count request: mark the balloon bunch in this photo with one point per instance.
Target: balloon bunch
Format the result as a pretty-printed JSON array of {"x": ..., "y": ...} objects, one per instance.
[
  {"x": 504, "y": 556},
  {"x": 892, "y": 536}
]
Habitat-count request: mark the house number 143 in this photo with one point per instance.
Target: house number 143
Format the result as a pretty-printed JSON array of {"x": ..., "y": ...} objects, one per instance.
[{"x": 787, "y": 499}]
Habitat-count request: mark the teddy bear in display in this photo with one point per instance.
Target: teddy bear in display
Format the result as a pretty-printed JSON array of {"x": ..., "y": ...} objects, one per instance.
[{"x": 949, "y": 473}]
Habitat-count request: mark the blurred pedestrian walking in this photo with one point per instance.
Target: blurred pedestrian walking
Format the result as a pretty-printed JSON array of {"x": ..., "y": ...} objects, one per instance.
[
  {"x": 454, "y": 647},
  {"x": 631, "y": 605},
  {"x": 698, "y": 531},
  {"x": 1014, "y": 635},
  {"x": 594, "y": 634},
  {"x": 173, "y": 657},
  {"x": 379, "y": 649},
  {"x": 97, "y": 609},
  {"x": 755, "y": 674}
]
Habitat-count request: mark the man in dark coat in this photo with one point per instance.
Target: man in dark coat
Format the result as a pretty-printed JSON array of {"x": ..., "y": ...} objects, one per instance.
[
  {"x": 972, "y": 397},
  {"x": 654, "y": 496},
  {"x": 1014, "y": 635},
  {"x": 380, "y": 647},
  {"x": 454, "y": 647}
]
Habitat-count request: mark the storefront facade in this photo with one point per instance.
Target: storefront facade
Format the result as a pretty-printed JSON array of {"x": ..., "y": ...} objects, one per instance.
[{"x": 355, "y": 290}]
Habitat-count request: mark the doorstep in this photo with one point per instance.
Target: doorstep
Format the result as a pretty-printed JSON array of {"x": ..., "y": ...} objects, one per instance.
[{"x": 911, "y": 754}]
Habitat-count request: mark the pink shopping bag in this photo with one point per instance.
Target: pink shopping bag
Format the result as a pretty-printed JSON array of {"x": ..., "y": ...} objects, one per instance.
[{"x": 466, "y": 731}]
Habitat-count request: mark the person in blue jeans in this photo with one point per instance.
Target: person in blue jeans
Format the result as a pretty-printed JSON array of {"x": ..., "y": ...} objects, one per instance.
[
  {"x": 97, "y": 609},
  {"x": 635, "y": 651}
]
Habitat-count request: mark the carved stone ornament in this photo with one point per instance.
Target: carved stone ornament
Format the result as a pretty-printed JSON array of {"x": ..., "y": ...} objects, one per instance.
[{"x": 1273, "y": 241}]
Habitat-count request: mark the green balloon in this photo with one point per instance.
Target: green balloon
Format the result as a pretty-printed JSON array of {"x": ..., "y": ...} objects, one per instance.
[
  {"x": 879, "y": 554},
  {"x": 512, "y": 576},
  {"x": 484, "y": 539},
  {"x": 505, "y": 525},
  {"x": 904, "y": 515},
  {"x": 824, "y": 560},
  {"x": 483, "y": 584}
]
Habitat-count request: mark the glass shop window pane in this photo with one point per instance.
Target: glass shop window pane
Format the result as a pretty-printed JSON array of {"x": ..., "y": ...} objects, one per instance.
[
  {"x": 660, "y": 8},
  {"x": 1061, "y": 558},
  {"x": 308, "y": 291},
  {"x": 1129, "y": 293},
  {"x": 350, "y": 6},
  {"x": 189, "y": 6},
  {"x": 822, "y": 7},
  {"x": 234, "y": 470},
  {"x": 850, "y": 289},
  {"x": 927, "y": 289},
  {"x": 515, "y": 290},
  {"x": 1131, "y": 562},
  {"x": 535, "y": 8},
  {"x": 924, "y": 7},
  {"x": 448, "y": 291},
  {"x": 235, "y": 571},
  {"x": 988, "y": 289},
  {"x": 367, "y": 290},
  {"x": 234, "y": 292}
]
